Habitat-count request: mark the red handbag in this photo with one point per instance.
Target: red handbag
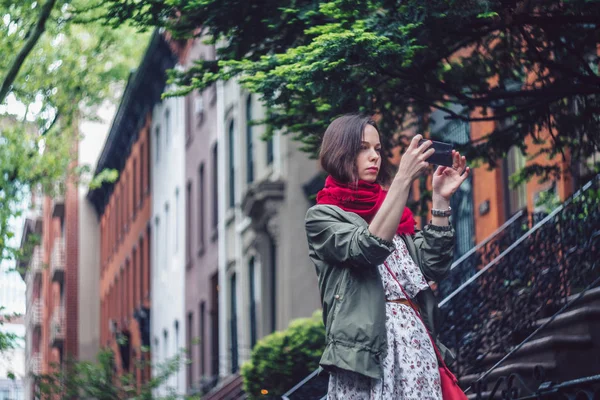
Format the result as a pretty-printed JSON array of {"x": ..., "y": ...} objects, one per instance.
[{"x": 449, "y": 383}]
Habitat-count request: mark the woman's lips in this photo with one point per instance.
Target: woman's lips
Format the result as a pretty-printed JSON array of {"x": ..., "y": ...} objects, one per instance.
[{"x": 373, "y": 169}]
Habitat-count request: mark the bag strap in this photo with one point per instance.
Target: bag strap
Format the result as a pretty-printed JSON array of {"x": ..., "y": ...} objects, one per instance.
[{"x": 437, "y": 351}]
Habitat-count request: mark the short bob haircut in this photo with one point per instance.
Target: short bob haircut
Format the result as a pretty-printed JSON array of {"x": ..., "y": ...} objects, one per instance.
[{"x": 341, "y": 145}]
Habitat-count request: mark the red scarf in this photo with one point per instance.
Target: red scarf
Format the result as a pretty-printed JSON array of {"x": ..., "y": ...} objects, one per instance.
[{"x": 364, "y": 200}]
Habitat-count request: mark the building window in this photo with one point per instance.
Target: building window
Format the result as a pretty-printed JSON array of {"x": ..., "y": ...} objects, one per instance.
[
  {"x": 177, "y": 208},
  {"x": 166, "y": 235},
  {"x": 215, "y": 188},
  {"x": 189, "y": 117},
  {"x": 273, "y": 251},
  {"x": 134, "y": 275},
  {"x": 118, "y": 220},
  {"x": 176, "y": 325},
  {"x": 201, "y": 221},
  {"x": 127, "y": 284},
  {"x": 269, "y": 145},
  {"x": 122, "y": 303},
  {"x": 121, "y": 207},
  {"x": 157, "y": 144},
  {"x": 134, "y": 187},
  {"x": 165, "y": 345},
  {"x": 190, "y": 340},
  {"x": 142, "y": 175},
  {"x": 157, "y": 232},
  {"x": 515, "y": 196},
  {"x": 202, "y": 328},
  {"x": 249, "y": 142},
  {"x": 126, "y": 190},
  {"x": 147, "y": 293},
  {"x": 231, "y": 138},
  {"x": 252, "y": 288},
  {"x": 214, "y": 324},
  {"x": 233, "y": 324},
  {"x": 147, "y": 162},
  {"x": 141, "y": 271},
  {"x": 168, "y": 126},
  {"x": 188, "y": 224}
]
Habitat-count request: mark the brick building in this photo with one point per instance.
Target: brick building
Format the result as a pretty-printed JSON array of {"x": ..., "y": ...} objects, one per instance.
[
  {"x": 488, "y": 199},
  {"x": 62, "y": 306},
  {"x": 124, "y": 212}
]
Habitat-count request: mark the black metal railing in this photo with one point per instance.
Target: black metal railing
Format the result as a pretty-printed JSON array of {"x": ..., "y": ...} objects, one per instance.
[
  {"x": 496, "y": 308},
  {"x": 481, "y": 254},
  {"x": 314, "y": 386},
  {"x": 515, "y": 387}
]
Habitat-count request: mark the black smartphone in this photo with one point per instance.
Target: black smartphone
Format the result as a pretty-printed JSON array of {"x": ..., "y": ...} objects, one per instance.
[{"x": 442, "y": 155}]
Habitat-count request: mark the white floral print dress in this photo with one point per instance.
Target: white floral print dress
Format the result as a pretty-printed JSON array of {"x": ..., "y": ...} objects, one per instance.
[{"x": 410, "y": 368}]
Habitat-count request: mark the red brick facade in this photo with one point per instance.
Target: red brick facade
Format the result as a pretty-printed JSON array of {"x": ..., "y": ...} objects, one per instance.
[
  {"x": 125, "y": 255},
  {"x": 57, "y": 339}
]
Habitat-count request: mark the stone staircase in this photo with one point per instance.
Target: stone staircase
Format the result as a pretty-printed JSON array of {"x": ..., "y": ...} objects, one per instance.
[
  {"x": 567, "y": 348},
  {"x": 229, "y": 389}
]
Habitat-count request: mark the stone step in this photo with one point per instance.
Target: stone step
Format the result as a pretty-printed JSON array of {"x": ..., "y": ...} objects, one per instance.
[
  {"x": 230, "y": 388},
  {"x": 580, "y": 315},
  {"x": 236, "y": 395},
  {"x": 572, "y": 337},
  {"x": 579, "y": 321},
  {"x": 486, "y": 395},
  {"x": 544, "y": 349},
  {"x": 524, "y": 369},
  {"x": 590, "y": 296}
]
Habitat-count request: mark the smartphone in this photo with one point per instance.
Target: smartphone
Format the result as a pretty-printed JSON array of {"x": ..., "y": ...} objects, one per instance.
[{"x": 442, "y": 155}]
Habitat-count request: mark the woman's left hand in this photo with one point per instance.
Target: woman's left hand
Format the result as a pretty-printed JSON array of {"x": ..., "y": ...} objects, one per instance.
[{"x": 446, "y": 180}]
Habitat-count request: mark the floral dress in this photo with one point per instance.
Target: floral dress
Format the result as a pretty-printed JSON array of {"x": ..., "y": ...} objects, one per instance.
[{"x": 410, "y": 368}]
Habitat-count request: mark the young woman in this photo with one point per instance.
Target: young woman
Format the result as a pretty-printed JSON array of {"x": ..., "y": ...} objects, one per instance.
[{"x": 363, "y": 243}]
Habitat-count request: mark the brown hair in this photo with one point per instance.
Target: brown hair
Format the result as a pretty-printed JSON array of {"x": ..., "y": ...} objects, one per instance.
[{"x": 341, "y": 145}]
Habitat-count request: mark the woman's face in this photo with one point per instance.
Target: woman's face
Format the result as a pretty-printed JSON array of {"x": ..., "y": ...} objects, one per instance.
[{"x": 368, "y": 160}]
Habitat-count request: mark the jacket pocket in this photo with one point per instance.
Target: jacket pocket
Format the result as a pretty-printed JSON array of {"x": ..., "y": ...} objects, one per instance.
[{"x": 338, "y": 297}]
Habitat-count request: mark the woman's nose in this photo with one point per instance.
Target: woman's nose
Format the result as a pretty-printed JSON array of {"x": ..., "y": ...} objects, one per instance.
[{"x": 373, "y": 155}]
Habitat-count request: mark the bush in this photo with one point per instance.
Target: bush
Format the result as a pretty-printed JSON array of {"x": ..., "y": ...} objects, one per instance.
[
  {"x": 99, "y": 381},
  {"x": 282, "y": 359}
]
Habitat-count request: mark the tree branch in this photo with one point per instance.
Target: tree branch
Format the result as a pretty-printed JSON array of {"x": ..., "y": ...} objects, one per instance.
[
  {"x": 556, "y": 20},
  {"x": 549, "y": 63},
  {"x": 33, "y": 37},
  {"x": 56, "y": 116}
]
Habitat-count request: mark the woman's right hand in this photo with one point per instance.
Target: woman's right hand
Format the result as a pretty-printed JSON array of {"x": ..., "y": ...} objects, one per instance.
[{"x": 413, "y": 161}]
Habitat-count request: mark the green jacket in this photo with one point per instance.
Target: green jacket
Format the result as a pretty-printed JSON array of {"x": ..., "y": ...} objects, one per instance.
[{"x": 346, "y": 256}]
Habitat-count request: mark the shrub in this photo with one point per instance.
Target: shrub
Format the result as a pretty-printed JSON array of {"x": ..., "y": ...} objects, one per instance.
[{"x": 283, "y": 358}]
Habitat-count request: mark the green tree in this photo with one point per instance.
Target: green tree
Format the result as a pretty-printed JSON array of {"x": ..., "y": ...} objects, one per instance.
[
  {"x": 528, "y": 65},
  {"x": 98, "y": 380},
  {"x": 282, "y": 359},
  {"x": 7, "y": 340},
  {"x": 57, "y": 68}
]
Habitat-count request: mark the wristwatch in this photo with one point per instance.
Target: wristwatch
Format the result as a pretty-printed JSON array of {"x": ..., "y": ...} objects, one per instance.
[{"x": 442, "y": 213}]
